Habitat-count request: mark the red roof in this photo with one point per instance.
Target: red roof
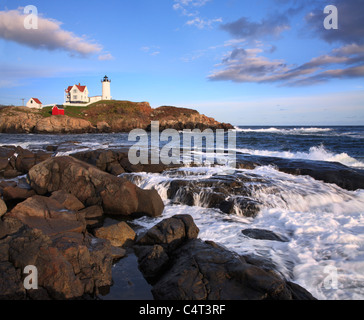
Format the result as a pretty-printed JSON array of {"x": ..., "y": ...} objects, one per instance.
[
  {"x": 36, "y": 101},
  {"x": 81, "y": 88}
]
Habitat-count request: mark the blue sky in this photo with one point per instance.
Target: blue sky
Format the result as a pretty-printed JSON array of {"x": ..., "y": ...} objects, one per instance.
[{"x": 264, "y": 62}]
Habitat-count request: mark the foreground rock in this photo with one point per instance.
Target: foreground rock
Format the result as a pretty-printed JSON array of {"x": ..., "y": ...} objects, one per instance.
[
  {"x": 15, "y": 161},
  {"x": 181, "y": 267},
  {"x": 118, "y": 234},
  {"x": 3, "y": 208},
  {"x": 92, "y": 187},
  {"x": 70, "y": 265},
  {"x": 48, "y": 215}
]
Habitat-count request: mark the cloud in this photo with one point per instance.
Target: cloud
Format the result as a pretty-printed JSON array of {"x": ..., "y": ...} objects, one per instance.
[
  {"x": 248, "y": 65},
  {"x": 48, "y": 36},
  {"x": 351, "y": 26},
  {"x": 152, "y": 50},
  {"x": 188, "y": 8},
  {"x": 271, "y": 26},
  {"x": 106, "y": 57},
  {"x": 203, "y": 23}
]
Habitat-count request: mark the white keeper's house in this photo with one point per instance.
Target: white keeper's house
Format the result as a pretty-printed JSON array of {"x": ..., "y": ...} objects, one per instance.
[
  {"x": 34, "y": 103},
  {"x": 78, "y": 94}
]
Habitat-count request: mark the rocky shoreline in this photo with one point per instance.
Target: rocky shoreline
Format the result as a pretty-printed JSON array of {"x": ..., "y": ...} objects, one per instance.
[
  {"x": 53, "y": 211},
  {"x": 110, "y": 117},
  {"x": 52, "y": 217}
]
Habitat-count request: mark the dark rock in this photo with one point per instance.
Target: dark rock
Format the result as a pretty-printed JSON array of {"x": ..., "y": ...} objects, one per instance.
[
  {"x": 329, "y": 172},
  {"x": 181, "y": 267},
  {"x": 69, "y": 265},
  {"x": 11, "y": 286},
  {"x": 51, "y": 148},
  {"x": 227, "y": 193},
  {"x": 16, "y": 193},
  {"x": 205, "y": 271},
  {"x": 170, "y": 233},
  {"x": 92, "y": 187},
  {"x": 12, "y": 173},
  {"x": 260, "y": 234}
]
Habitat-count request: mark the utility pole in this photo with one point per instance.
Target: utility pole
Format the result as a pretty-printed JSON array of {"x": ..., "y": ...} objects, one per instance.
[{"x": 23, "y": 101}]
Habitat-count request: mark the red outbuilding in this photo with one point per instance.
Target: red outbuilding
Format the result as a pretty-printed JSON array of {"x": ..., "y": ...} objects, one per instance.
[{"x": 57, "y": 111}]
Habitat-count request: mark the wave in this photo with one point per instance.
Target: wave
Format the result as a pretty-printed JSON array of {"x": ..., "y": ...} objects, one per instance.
[
  {"x": 318, "y": 153},
  {"x": 324, "y": 225},
  {"x": 293, "y": 131}
]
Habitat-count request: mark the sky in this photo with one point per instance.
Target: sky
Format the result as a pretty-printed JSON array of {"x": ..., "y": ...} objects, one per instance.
[{"x": 262, "y": 62}]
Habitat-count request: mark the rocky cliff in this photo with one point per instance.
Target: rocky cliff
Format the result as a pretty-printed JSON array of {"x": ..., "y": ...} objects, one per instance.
[{"x": 103, "y": 117}]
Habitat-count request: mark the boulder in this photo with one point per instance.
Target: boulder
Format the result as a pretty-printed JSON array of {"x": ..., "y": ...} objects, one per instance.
[
  {"x": 69, "y": 265},
  {"x": 119, "y": 234},
  {"x": 47, "y": 215},
  {"x": 92, "y": 186},
  {"x": 16, "y": 193},
  {"x": 3, "y": 208},
  {"x": 170, "y": 233},
  {"x": 182, "y": 267},
  {"x": 69, "y": 201},
  {"x": 261, "y": 234}
]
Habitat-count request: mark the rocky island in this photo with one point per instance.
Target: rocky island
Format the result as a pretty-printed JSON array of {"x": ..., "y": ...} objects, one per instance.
[{"x": 103, "y": 117}]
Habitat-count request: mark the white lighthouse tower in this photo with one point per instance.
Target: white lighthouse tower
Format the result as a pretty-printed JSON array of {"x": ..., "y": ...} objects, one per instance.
[{"x": 106, "y": 91}]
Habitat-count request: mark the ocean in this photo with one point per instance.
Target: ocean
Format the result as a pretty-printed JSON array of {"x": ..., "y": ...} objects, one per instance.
[{"x": 322, "y": 223}]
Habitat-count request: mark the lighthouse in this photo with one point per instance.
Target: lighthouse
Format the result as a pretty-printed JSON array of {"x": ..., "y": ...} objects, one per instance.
[{"x": 106, "y": 92}]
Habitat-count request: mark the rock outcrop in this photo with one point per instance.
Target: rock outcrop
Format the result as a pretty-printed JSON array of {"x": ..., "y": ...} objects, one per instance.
[
  {"x": 182, "y": 267},
  {"x": 92, "y": 187},
  {"x": 70, "y": 265},
  {"x": 329, "y": 172},
  {"x": 15, "y": 161},
  {"x": 103, "y": 117}
]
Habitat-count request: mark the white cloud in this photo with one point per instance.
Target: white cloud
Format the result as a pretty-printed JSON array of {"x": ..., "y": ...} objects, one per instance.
[
  {"x": 106, "y": 57},
  {"x": 151, "y": 50},
  {"x": 48, "y": 36},
  {"x": 203, "y": 23}
]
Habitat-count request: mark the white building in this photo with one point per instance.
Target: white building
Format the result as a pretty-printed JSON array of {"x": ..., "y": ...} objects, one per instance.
[
  {"x": 34, "y": 103},
  {"x": 77, "y": 94}
]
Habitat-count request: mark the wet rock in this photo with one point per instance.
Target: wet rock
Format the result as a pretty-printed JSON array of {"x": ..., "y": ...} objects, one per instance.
[
  {"x": 261, "y": 234},
  {"x": 153, "y": 247},
  {"x": 92, "y": 187},
  {"x": 119, "y": 234},
  {"x": 170, "y": 233},
  {"x": 227, "y": 193},
  {"x": 329, "y": 172},
  {"x": 183, "y": 267}
]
